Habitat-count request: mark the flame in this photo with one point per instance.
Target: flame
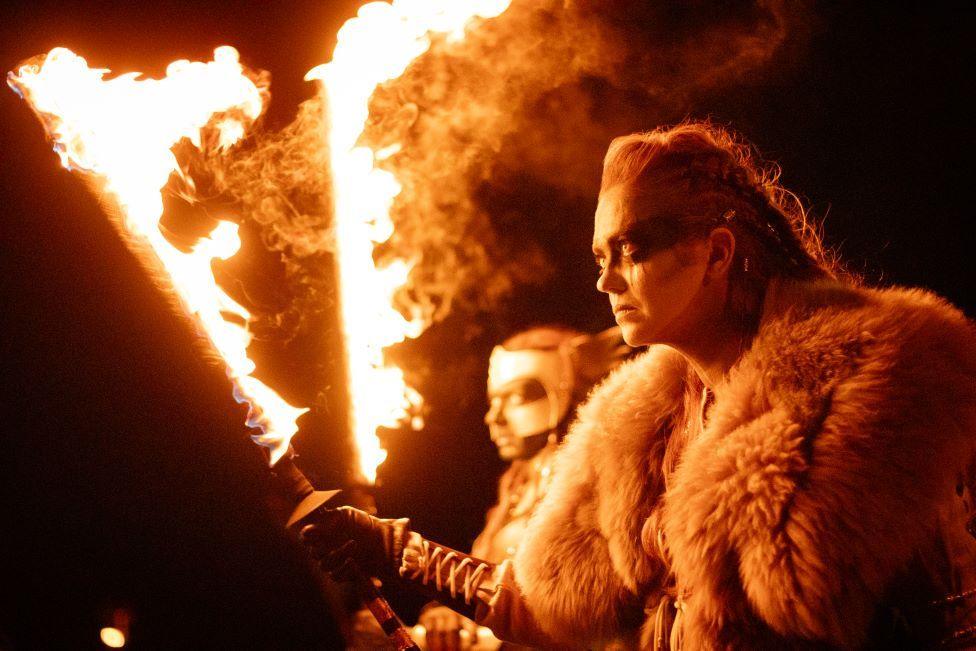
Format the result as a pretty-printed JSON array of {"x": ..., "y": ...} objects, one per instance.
[
  {"x": 122, "y": 131},
  {"x": 374, "y": 47}
]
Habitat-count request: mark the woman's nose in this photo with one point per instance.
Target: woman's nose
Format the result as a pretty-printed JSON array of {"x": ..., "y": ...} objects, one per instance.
[{"x": 610, "y": 282}]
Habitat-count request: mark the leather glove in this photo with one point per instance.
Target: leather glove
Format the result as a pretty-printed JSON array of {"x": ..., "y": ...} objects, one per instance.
[{"x": 345, "y": 538}]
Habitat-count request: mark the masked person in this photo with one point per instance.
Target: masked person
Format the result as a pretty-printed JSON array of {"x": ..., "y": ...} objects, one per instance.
[
  {"x": 535, "y": 381},
  {"x": 790, "y": 464}
]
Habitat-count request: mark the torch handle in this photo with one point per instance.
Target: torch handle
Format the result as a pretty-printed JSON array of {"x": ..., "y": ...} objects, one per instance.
[
  {"x": 385, "y": 617},
  {"x": 307, "y": 501}
]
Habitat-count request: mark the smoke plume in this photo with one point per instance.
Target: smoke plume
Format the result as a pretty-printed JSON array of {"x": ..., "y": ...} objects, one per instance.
[
  {"x": 503, "y": 133},
  {"x": 502, "y": 136}
]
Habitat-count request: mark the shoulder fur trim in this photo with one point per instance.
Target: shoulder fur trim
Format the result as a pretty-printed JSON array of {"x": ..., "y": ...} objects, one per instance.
[{"x": 821, "y": 470}]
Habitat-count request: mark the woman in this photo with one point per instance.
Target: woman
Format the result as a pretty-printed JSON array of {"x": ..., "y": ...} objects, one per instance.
[{"x": 789, "y": 464}]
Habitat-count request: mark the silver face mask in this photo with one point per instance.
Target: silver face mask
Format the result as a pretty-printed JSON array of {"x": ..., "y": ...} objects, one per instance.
[
  {"x": 532, "y": 391},
  {"x": 551, "y": 368}
]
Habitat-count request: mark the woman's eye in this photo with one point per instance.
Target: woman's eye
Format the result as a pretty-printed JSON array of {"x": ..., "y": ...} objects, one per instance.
[
  {"x": 516, "y": 399},
  {"x": 627, "y": 250}
]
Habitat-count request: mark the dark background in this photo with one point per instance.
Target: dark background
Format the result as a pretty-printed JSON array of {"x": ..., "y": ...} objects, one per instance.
[{"x": 128, "y": 478}]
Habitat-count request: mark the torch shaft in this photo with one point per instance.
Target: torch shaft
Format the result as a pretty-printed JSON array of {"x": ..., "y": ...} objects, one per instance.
[
  {"x": 387, "y": 619},
  {"x": 306, "y": 500}
]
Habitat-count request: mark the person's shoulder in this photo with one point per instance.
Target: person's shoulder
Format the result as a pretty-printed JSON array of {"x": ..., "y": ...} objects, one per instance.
[
  {"x": 918, "y": 312},
  {"x": 887, "y": 347},
  {"x": 831, "y": 322},
  {"x": 836, "y": 305}
]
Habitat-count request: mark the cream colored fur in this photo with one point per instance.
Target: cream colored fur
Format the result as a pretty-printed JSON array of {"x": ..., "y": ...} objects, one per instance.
[{"x": 829, "y": 452}]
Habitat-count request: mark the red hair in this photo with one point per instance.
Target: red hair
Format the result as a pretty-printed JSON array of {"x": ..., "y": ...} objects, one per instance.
[
  {"x": 715, "y": 178},
  {"x": 716, "y": 171}
]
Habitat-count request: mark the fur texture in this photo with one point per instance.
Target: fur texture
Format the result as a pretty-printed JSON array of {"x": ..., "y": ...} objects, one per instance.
[{"x": 830, "y": 461}]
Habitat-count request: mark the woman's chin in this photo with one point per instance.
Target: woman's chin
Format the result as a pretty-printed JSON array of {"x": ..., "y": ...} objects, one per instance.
[{"x": 633, "y": 335}]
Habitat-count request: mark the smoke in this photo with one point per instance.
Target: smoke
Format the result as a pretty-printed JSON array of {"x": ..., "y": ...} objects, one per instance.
[
  {"x": 502, "y": 136},
  {"x": 277, "y": 185},
  {"x": 282, "y": 182},
  {"x": 503, "y": 133}
]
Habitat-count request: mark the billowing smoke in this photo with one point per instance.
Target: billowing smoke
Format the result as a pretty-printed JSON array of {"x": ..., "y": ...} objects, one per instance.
[
  {"x": 502, "y": 136},
  {"x": 277, "y": 185},
  {"x": 503, "y": 133},
  {"x": 280, "y": 181}
]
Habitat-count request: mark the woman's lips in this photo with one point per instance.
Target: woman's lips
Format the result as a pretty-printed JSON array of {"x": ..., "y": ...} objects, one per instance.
[{"x": 623, "y": 313}]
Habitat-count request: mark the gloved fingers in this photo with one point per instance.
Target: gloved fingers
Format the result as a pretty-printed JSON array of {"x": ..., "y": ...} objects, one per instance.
[
  {"x": 379, "y": 543},
  {"x": 338, "y": 562},
  {"x": 317, "y": 536},
  {"x": 318, "y": 541},
  {"x": 346, "y": 570},
  {"x": 335, "y": 559},
  {"x": 328, "y": 522},
  {"x": 310, "y": 535}
]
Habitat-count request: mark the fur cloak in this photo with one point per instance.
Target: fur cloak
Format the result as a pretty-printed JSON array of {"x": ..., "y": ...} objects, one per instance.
[{"x": 826, "y": 491}]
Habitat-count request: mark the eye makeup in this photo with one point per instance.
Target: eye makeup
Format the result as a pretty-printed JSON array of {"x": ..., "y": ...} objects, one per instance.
[{"x": 648, "y": 236}]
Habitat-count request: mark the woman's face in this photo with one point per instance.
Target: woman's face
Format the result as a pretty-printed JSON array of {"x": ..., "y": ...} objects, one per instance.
[{"x": 653, "y": 279}]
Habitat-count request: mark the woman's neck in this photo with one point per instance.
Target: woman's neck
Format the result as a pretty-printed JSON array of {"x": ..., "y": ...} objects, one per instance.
[{"x": 714, "y": 350}]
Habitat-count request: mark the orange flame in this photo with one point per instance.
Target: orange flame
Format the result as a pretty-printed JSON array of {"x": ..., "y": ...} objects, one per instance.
[
  {"x": 373, "y": 48},
  {"x": 122, "y": 131}
]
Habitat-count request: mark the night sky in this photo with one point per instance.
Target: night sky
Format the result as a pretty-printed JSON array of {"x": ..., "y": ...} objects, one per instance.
[{"x": 128, "y": 477}]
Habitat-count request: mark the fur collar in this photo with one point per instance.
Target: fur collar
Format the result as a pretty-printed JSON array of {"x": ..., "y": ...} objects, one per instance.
[
  {"x": 581, "y": 565},
  {"x": 827, "y": 448}
]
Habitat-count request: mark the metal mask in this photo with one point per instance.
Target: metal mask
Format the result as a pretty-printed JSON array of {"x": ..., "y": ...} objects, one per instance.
[{"x": 552, "y": 368}]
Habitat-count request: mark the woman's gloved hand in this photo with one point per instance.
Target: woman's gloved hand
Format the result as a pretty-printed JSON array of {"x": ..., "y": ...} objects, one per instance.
[{"x": 344, "y": 538}]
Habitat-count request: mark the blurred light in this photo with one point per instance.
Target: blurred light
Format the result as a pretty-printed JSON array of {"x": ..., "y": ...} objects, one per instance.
[
  {"x": 418, "y": 632},
  {"x": 112, "y": 637}
]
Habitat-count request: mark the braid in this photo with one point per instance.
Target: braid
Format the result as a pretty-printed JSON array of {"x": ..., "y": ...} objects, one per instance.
[
  {"x": 717, "y": 179},
  {"x": 732, "y": 174}
]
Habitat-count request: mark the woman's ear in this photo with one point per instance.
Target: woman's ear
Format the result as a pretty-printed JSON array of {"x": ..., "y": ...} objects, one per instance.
[{"x": 721, "y": 251}]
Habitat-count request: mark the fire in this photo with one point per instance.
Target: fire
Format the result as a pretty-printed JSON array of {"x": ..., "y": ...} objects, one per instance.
[
  {"x": 121, "y": 131},
  {"x": 373, "y": 48}
]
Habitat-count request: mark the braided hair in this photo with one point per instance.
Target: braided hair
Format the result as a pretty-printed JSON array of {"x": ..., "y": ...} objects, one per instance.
[{"x": 714, "y": 178}]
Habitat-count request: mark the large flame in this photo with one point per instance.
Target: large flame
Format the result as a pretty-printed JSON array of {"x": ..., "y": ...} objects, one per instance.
[
  {"x": 122, "y": 131},
  {"x": 373, "y": 48}
]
